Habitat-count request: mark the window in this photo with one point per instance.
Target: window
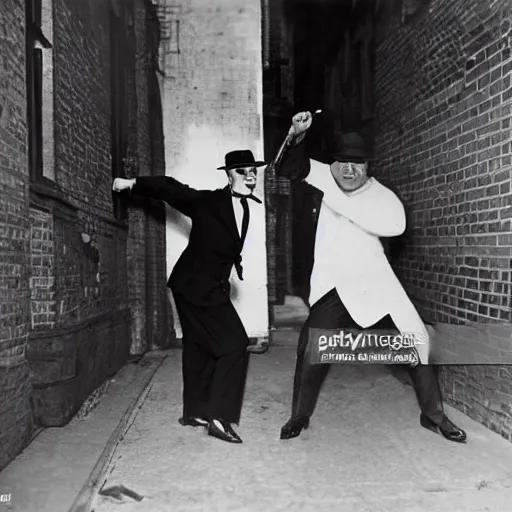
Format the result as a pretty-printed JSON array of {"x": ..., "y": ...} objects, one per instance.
[{"x": 39, "y": 89}]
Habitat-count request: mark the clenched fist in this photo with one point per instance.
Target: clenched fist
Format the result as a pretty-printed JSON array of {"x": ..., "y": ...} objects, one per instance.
[
  {"x": 121, "y": 184},
  {"x": 300, "y": 123}
]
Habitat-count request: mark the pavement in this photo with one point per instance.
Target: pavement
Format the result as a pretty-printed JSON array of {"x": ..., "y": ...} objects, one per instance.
[
  {"x": 60, "y": 469},
  {"x": 364, "y": 451}
]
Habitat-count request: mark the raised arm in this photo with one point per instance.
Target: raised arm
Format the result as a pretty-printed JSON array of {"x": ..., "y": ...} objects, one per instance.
[
  {"x": 176, "y": 194},
  {"x": 295, "y": 163}
]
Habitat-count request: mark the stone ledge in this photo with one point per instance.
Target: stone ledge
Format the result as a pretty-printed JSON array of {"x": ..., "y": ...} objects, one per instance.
[{"x": 68, "y": 363}]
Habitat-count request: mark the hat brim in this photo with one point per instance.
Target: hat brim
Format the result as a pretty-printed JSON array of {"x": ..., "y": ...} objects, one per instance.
[
  {"x": 348, "y": 157},
  {"x": 258, "y": 163}
]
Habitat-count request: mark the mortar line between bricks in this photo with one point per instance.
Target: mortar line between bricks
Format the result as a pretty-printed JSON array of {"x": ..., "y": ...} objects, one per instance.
[{"x": 86, "y": 495}]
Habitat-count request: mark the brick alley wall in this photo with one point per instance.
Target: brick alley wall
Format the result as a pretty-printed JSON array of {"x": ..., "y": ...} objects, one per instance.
[
  {"x": 64, "y": 256},
  {"x": 16, "y": 422},
  {"x": 149, "y": 305},
  {"x": 82, "y": 155},
  {"x": 443, "y": 141}
]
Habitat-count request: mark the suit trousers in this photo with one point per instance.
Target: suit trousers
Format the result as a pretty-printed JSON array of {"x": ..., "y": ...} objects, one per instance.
[
  {"x": 214, "y": 360},
  {"x": 330, "y": 313}
]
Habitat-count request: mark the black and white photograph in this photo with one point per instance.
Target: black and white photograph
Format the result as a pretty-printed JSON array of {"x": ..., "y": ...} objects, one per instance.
[{"x": 255, "y": 255}]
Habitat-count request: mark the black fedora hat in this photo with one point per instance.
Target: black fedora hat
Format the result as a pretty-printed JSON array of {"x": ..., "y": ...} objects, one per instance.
[
  {"x": 349, "y": 146},
  {"x": 241, "y": 158}
]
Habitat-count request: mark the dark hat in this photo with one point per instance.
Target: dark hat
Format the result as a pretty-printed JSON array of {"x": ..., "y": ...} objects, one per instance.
[
  {"x": 347, "y": 146},
  {"x": 241, "y": 158}
]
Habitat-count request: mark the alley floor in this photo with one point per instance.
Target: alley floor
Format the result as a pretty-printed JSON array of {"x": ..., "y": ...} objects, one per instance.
[{"x": 364, "y": 451}]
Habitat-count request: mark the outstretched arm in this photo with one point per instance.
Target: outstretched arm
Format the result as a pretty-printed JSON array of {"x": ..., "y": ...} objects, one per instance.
[{"x": 176, "y": 194}]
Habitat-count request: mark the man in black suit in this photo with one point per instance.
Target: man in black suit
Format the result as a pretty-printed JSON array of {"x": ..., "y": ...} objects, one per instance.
[{"x": 215, "y": 357}]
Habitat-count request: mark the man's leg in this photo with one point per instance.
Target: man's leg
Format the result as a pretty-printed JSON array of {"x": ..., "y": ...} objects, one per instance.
[
  {"x": 426, "y": 385},
  {"x": 425, "y": 381},
  {"x": 218, "y": 332},
  {"x": 327, "y": 313},
  {"x": 198, "y": 365},
  {"x": 232, "y": 359}
]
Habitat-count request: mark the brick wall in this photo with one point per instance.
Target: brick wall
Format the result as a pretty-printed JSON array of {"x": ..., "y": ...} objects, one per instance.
[
  {"x": 159, "y": 319},
  {"x": 64, "y": 304},
  {"x": 443, "y": 93},
  {"x": 82, "y": 102},
  {"x": 42, "y": 279},
  {"x": 138, "y": 166},
  {"x": 83, "y": 168},
  {"x": 15, "y": 414}
]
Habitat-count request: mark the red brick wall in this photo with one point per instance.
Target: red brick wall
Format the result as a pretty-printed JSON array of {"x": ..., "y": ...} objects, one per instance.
[
  {"x": 15, "y": 414},
  {"x": 443, "y": 93}
]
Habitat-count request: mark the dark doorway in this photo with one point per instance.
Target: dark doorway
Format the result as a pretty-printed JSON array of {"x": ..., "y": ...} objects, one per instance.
[{"x": 324, "y": 49}]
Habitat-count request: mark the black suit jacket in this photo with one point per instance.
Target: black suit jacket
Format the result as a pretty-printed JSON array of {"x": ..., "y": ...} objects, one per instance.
[
  {"x": 201, "y": 274},
  {"x": 295, "y": 166}
]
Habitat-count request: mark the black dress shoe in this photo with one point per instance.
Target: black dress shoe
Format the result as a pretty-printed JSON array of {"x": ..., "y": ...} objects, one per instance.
[
  {"x": 192, "y": 422},
  {"x": 293, "y": 427},
  {"x": 228, "y": 434},
  {"x": 447, "y": 429}
]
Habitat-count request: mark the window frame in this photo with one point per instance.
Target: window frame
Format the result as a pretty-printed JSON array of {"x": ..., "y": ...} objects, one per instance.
[{"x": 35, "y": 42}]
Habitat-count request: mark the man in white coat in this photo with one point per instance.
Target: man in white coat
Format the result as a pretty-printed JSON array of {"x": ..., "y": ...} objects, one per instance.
[{"x": 352, "y": 284}]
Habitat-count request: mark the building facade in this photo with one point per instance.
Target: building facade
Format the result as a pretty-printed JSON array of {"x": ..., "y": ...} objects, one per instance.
[{"x": 78, "y": 272}]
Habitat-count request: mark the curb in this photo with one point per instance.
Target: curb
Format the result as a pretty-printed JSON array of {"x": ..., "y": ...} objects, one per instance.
[{"x": 96, "y": 478}]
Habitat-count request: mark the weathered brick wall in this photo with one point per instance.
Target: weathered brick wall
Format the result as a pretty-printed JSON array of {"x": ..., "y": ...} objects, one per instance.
[
  {"x": 278, "y": 89},
  {"x": 42, "y": 279},
  {"x": 82, "y": 155},
  {"x": 82, "y": 102},
  {"x": 16, "y": 422},
  {"x": 137, "y": 166},
  {"x": 159, "y": 319},
  {"x": 146, "y": 243},
  {"x": 63, "y": 272},
  {"x": 443, "y": 96}
]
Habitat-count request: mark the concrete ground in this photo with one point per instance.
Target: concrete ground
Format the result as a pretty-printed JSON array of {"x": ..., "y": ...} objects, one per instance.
[
  {"x": 57, "y": 471},
  {"x": 364, "y": 451}
]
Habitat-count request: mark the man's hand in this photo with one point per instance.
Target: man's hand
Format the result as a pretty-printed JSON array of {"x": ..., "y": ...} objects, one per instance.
[
  {"x": 300, "y": 123},
  {"x": 121, "y": 184}
]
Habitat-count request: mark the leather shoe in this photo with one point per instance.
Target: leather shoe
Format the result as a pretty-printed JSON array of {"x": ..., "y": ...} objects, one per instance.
[
  {"x": 228, "y": 434},
  {"x": 192, "y": 422},
  {"x": 258, "y": 348},
  {"x": 293, "y": 427},
  {"x": 446, "y": 428}
]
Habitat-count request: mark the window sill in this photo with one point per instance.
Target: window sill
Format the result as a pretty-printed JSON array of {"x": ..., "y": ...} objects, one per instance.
[
  {"x": 44, "y": 189},
  {"x": 45, "y": 194}
]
